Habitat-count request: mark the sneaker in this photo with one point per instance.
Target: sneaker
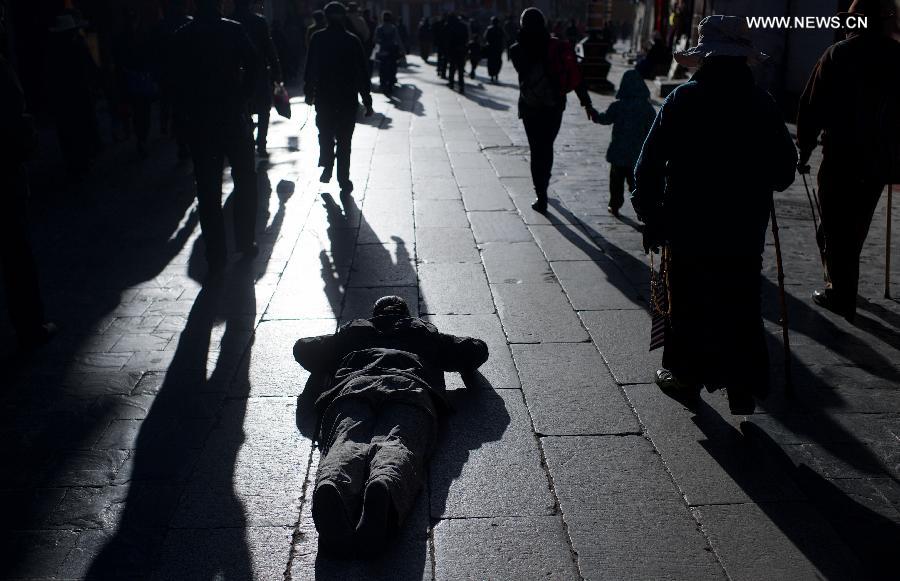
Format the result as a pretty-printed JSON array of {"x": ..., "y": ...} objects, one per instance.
[
  {"x": 326, "y": 175},
  {"x": 539, "y": 205}
]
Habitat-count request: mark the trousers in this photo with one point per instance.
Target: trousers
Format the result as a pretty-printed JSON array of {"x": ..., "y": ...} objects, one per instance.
[
  {"x": 209, "y": 162},
  {"x": 541, "y": 127},
  {"x": 848, "y": 204},
  {"x": 618, "y": 176},
  {"x": 335, "y": 137},
  {"x": 387, "y": 441}
]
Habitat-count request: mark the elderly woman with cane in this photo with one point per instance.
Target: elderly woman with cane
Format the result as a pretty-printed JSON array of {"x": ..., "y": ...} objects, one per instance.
[{"x": 704, "y": 183}]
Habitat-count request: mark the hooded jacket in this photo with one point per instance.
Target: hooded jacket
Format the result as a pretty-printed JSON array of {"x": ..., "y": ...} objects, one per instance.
[{"x": 631, "y": 116}]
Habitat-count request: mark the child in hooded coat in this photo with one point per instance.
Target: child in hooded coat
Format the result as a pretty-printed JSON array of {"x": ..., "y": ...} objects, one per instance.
[{"x": 631, "y": 116}]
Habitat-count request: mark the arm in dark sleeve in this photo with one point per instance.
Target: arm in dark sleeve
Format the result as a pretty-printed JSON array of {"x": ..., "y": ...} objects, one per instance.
[
  {"x": 272, "y": 57},
  {"x": 649, "y": 172},
  {"x": 317, "y": 354},
  {"x": 250, "y": 61},
  {"x": 607, "y": 117},
  {"x": 462, "y": 354},
  {"x": 311, "y": 70},
  {"x": 811, "y": 109},
  {"x": 363, "y": 82}
]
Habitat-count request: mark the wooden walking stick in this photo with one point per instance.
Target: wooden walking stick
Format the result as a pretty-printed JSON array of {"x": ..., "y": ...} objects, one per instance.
[
  {"x": 788, "y": 384},
  {"x": 887, "y": 243}
]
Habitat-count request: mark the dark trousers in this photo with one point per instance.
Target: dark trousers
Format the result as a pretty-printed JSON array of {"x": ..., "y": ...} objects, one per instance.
[
  {"x": 335, "y": 137},
  {"x": 20, "y": 280},
  {"x": 541, "y": 127},
  {"x": 848, "y": 205},
  {"x": 715, "y": 332},
  {"x": 209, "y": 160},
  {"x": 458, "y": 71},
  {"x": 262, "y": 127},
  {"x": 384, "y": 441},
  {"x": 618, "y": 175},
  {"x": 441, "y": 63}
]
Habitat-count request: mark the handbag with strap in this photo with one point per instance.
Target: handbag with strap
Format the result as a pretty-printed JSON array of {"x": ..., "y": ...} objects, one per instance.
[
  {"x": 660, "y": 300},
  {"x": 282, "y": 101}
]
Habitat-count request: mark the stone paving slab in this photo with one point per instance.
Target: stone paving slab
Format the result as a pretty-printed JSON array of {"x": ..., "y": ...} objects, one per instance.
[
  {"x": 487, "y": 461},
  {"x": 782, "y": 541},
  {"x": 597, "y": 285},
  {"x": 623, "y": 338},
  {"x": 498, "y": 227},
  {"x": 536, "y": 312},
  {"x": 446, "y": 245},
  {"x": 514, "y": 262},
  {"x": 489, "y": 548},
  {"x": 455, "y": 289},
  {"x": 487, "y": 197},
  {"x": 569, "y": 391}
]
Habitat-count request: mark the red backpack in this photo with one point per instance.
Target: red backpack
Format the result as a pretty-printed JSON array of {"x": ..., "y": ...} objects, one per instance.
[{"x": 563, "y": 65}]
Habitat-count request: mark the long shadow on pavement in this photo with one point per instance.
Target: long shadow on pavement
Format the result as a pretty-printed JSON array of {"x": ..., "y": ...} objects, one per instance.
[{"x": 182, "y": 515}]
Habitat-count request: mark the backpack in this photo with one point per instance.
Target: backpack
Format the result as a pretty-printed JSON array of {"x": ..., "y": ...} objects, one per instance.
[{"x": 564, "y": 66}]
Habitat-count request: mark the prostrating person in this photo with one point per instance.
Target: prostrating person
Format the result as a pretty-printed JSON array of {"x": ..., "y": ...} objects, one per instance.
[{"x": 382, "y": 391}]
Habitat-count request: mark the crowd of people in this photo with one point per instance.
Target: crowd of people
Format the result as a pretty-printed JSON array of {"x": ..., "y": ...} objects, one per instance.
[{"x": 702, "y": 171}]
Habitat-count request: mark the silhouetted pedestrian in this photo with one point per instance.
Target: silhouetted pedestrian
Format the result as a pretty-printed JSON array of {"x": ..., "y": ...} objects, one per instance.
[
  {"x": 18, "y": 141},
  {"x": 136, "y": 75},
  {"x": 390, "y": 48},
  {"x": 495, "y": 42},
  {"x": 511, "y": 29},
  {"x": 426, "y": 38},
  {"x": 547, "y": 71},
  {"x": 318, "y": 24},
  {"x": 456, "y": 39},
  {"x": 336, "y": 72},
  {"x": 852, "y": 99},
  {"x": 382, "y": 382},
  {"x": 175, "y": 17},
  {"x": 631, "y": 116},
  {"x": 257, "y": 29},
  {"x": 474, "y": 54},
  {"x": 215, "y": 78},
  {"x": 716, "y": 151},
  {"x": 71, "y": 75},
  {"x": 439, "y": 29}
]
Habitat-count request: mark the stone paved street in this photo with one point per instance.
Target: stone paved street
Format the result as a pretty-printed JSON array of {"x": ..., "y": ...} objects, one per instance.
[{"x": 165, "y": 434}]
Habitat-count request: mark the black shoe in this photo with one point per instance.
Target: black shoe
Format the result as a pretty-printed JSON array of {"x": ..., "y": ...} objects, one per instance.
[
  {"x": 346, "y": 188},
  {"x": 825, "y": 299},
  {"x": 330, "y": 515},
  {"x": 740, "y": 402},
  {"x": 39, "y": 337},
  {"x": 262, "y": 152},
  {"x": 326, "y": 175},
  {"x": 375, "y": 521},
  {"x": 539, "y": 205},
  {"x": 685, "y": 393},
  {"x": 613, "y": 211}
]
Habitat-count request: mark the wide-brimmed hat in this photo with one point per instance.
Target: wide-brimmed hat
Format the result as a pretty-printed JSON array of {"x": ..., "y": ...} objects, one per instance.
[
  {"x": 68, "y": 21},
  {"x": 721, "y": 36}
]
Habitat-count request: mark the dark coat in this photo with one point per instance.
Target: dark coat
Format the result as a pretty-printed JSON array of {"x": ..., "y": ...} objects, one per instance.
[
  {"x": 337, "y": 70},
  {"x": 270, "y": 68},
  {"x": 716, "y": 151},
  {"x": 387, "y": 355},
  {"x": 853, "y": 99},
  {"x": 631, "y": 116},
  {"x": 214, "y": 75}
]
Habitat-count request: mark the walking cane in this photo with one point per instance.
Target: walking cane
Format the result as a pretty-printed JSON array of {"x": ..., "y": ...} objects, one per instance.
[
  {"x": 887, "y": 244},
  {"x": 788, "y": 384},
  {"x": 816, "y": 211}
]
